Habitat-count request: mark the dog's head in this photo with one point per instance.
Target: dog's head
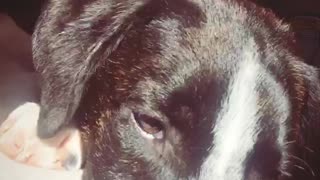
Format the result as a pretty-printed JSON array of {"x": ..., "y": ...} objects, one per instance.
[{"x": 174, "y": 89}]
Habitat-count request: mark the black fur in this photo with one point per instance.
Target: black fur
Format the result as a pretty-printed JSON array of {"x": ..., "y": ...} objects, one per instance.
[{"x": 102, "y": 60}]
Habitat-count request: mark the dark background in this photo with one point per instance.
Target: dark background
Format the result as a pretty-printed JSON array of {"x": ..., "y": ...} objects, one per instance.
[{"x": 24, "y": 12}]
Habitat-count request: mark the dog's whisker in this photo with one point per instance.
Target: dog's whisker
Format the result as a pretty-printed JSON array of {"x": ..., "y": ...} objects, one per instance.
[{"x": 304, "y": 163}]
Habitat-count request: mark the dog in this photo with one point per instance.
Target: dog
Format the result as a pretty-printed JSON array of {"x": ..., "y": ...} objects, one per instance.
[{"x": 179, "y": 89}]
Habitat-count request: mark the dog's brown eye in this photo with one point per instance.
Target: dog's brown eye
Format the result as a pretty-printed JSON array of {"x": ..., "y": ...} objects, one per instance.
[{"x": 150, "y": 126}]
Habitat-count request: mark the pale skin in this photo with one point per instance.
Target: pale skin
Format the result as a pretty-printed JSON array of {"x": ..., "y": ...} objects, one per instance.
[{"x": 18, "y": 141}]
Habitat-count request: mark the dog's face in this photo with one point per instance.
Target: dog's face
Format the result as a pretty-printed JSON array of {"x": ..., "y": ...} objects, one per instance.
[
  {"x": 173, "y": 104},
  {"x": 183, "y": 90},
  {"x": 200, "y": 120}
]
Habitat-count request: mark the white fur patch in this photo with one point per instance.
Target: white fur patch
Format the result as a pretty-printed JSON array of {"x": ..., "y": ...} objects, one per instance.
[{"x": 235, "y": 130}]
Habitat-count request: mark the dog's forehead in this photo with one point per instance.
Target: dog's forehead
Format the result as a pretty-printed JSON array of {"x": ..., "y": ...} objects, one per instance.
[{"x": 206, "y": 40}]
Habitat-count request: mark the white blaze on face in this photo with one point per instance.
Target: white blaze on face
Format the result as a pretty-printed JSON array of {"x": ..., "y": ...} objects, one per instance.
[{"x": 235, "y": 130}]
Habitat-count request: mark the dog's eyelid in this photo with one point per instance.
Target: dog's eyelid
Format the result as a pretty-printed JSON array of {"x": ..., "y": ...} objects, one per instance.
[{"x": 149, "y": 126}]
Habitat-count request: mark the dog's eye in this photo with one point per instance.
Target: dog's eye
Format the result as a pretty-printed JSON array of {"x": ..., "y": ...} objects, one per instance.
[{"x": 150, "y": 127}]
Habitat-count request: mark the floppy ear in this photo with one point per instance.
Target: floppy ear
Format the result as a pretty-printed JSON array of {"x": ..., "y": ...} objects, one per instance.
[
  {"x": 313, "y": 100},
  {"x": 310, "y": 132},
  {"x": 309, "y": 78},
  {"x": 311, "y": 122},
  {"x": 305, "y": 85},
  {"x": 306, "y": 116},
  {"x": 69, "y": 43}
]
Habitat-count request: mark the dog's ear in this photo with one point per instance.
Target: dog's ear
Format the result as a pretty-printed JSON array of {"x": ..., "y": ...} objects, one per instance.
[
  {"x": 70, "y": 42},
  {"x": 312, "y": 111},
  {"x": 305, "y": 85},
  {"x": 306, "y": 113},
  {"x": 310, "y": 122}
]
